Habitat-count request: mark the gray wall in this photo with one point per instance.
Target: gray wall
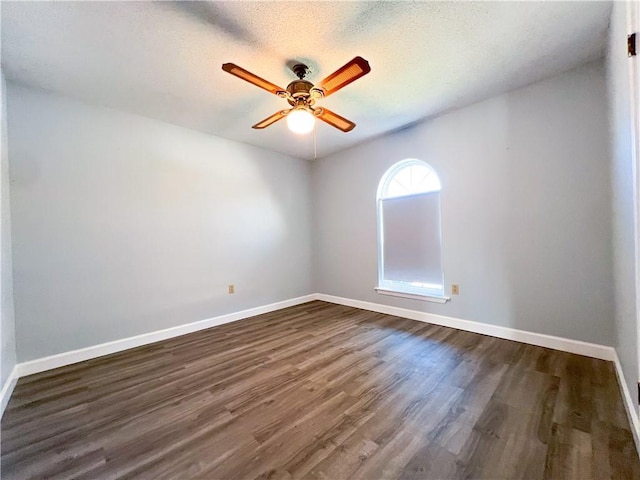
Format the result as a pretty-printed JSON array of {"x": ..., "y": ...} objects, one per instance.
[
  {"x": 7, "y": 325},
  {"x": 525, "y": 209},
  {"x": 124, "y": 225},
  {"x": 626, "y": 330}
]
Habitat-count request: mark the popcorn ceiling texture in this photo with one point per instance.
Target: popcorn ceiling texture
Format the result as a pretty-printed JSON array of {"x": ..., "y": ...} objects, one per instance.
[{"x": 162, "y": 59}]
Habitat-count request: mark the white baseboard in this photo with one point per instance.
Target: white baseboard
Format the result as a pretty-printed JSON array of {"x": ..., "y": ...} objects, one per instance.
[
  {"x": 540, "y": 339},
  {"x": 7, "y": 389},
  {"x": 67, "y": 358},
  {"x": 95, "y": 351},
  {"x": 629, "y": 405},
  {"x": 80, "y": 355},
  {"x": 557, "y": 343}
]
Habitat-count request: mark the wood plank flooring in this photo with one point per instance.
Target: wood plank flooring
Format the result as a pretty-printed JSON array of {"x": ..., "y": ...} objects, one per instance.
[{"x": 322, "y": 391}]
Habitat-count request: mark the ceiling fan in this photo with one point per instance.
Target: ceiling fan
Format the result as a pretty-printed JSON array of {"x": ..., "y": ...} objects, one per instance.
[{"x": 302, "y": 95}]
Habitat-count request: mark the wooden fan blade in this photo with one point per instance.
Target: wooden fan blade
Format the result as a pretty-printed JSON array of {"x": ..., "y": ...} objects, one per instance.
[
  {"x": 346, "y": 74},
  {"x": 240, "y": 72},
  {"x": 272, "y": 119},
  {"x": 334, "y": 119}
]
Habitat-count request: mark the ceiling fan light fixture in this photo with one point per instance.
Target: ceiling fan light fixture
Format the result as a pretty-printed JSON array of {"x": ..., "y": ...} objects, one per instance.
[{"x": 300, "y": 121}]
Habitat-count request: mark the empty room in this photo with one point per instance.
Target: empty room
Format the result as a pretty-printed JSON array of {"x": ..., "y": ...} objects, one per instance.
[{"x": 320, "y": 240}]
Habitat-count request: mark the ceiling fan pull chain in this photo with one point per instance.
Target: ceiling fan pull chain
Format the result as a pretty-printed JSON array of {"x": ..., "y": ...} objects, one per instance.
[{"x": 315, "y": 146}]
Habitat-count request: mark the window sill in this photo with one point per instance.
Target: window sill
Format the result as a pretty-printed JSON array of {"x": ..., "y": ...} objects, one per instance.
[{"x": 414, "y": 296}]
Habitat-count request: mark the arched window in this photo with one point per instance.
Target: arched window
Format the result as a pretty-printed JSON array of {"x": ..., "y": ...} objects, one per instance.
[{"x": 409, "y": 238}]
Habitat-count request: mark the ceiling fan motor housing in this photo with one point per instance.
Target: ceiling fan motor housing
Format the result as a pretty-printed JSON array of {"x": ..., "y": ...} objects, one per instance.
[
  {"x": 302, "y": 90},
  {"x": 299, "y": 88}
]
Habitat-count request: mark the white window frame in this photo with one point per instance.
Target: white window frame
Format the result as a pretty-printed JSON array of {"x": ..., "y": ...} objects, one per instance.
[{"x": 397, "y": 289}]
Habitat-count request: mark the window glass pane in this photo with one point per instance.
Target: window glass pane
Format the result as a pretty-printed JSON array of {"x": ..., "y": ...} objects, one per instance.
[
  {"x": 427, "y": 183},
  {"x": 411, "y": 248},
  {"x": 411, "y": 179},
  {"x": 397, "y": 189},
  {"x": 403, "y": 177}
]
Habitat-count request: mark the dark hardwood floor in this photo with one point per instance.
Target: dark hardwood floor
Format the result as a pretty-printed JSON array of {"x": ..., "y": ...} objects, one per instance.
[{"x": 322, "y": 391}]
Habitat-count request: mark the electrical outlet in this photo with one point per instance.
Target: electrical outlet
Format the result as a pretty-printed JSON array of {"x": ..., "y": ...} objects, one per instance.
[
  {"x": 455, "y": 289},
  {"x": 232, "y": 288}
]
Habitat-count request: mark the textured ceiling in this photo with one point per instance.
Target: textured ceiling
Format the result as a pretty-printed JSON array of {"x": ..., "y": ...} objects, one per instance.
[{"x": 163, "y": 59}]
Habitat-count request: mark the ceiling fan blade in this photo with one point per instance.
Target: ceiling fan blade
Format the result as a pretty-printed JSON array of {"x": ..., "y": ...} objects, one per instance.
[
  {"x": 272, "y": 119},
  {"x": 334, "y": 119},
  {"x": 346, "y": 74},
  {"x": 240, "y": 72}
]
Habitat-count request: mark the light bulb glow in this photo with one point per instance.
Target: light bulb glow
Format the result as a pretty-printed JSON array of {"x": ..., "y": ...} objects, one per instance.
[{"x": 300, "y": 121}]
